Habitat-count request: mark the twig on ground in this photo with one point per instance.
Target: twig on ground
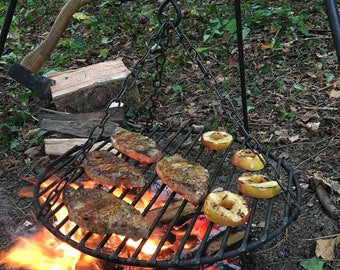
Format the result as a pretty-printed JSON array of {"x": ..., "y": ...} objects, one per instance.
[
  {"x": 324, "y": 198},
  {"x": 53, "y": 111},
  {"x": 323, "y": 108},
  {"x": 322, "y": 237}
]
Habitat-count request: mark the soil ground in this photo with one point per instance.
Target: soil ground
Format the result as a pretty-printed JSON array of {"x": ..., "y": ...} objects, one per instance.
[{"x": 308, "y": 138}]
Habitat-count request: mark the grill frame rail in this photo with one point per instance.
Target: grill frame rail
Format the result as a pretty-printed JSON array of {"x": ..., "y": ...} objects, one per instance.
[
  {"x": 185, "y": 141},
  {"x": 268, "y": 218}
]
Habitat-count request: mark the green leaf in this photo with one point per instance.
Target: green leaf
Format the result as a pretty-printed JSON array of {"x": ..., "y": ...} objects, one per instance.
[
  {"x": 206, "y": 37},
  {"x": 177, "y": 89},
  {"x": 106, "y": 40},
  {"x": 298, "y": 88},
  {"x": 249, "y": 108},
  {"x": 24, "y": 96},
  {"x": 280, "y": 83},
  {"x": 42, "y": 133},
  {"x": 245, "y": 32},
  {"x": 14, "y": 143},
  {"x": 286, "y": 115},
  {"x": 231, "y": 26},
  {"x": 303, "y": 28},
  {"x": 202, "y": 49},
  {"x": 214, "y": 125},
  {"x": 104, "y": 52},
  {"x": 80, "y": 16},
  {"x": 312, "y": 264},
  {"x": 329, "y": 78}
]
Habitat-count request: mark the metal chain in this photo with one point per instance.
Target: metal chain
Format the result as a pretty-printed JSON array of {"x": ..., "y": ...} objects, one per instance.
[
  {"x": 156, "y": 44},
  {"x": 210, "y": 80}
]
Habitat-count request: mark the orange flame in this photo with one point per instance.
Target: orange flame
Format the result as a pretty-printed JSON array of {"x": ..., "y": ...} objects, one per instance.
[{"x": 43, "y": 251}]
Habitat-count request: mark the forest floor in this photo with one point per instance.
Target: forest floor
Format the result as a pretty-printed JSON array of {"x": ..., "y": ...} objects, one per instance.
[{"x": 293, "y": 109}]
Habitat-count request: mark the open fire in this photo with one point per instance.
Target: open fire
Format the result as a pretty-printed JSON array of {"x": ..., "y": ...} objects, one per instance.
[{"x": 43, "y": 250}]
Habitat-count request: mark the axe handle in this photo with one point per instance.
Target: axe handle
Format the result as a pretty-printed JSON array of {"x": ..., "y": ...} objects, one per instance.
[{"x": 34, "y": 60}]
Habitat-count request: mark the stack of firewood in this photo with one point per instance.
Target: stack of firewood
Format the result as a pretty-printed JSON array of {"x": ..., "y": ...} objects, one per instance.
[{"x": 80, "y": 97}]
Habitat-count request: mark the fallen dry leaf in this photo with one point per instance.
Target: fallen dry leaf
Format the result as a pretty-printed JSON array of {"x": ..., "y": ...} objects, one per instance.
[
  {"x": 32, "y": 152},
  {"x": 308, "y": 116},
  {"x": 267, "y": 46},
  {"x": 324, "y": 182},
  {"x": 336, "y": 186},
  {"x": 334, "y": 94},
  {"x": 294, "y": 138},
  {"x": 325, "y": 248},
  {"x": 312, "y": 74}
]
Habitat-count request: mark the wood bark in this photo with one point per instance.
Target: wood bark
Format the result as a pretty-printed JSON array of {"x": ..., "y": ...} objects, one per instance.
[{"x": 80, "y": 125}]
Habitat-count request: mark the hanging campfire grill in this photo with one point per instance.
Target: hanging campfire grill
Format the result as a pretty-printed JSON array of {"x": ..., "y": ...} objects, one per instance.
[{"x": 175, "y": 227}]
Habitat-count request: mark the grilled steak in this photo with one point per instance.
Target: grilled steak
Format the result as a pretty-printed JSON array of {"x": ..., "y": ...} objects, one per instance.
[
  {"x": 185, "y": 177},
  {"x": 135, "y": 146},
  {"x": 101, "y": 212},
  {"x": 106, "y": 168}
]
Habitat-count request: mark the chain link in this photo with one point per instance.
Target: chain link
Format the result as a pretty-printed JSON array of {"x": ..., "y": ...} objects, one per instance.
[{"x": 156, "y": 44}]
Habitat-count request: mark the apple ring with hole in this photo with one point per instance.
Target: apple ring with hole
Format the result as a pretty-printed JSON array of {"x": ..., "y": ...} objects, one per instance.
[
  {"x": 248, "y": 160},
  {"x": 258, "y": 186},
  {"x": 216, "y": 140},
  {"x": 226, "y": 208}
]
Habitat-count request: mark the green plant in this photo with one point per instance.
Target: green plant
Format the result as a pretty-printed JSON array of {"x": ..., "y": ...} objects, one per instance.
[
  {"x": 177, "y": 89},
  {"x": 312, "y": 264},
  {"x": 284, "y": 115},
  {"x": 298, "y": 88},
  {"x": 278, "y": 19},
  {"x": 13, "y": 118}
]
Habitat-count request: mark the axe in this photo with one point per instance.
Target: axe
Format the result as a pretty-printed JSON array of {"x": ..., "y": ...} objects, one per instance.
[{"x": 26, "y": 71}]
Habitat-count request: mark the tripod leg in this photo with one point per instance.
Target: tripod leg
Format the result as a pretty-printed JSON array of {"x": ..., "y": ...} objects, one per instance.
[
  {"x": 334, "y": 22},
  {"x": 7, "y": 22}
]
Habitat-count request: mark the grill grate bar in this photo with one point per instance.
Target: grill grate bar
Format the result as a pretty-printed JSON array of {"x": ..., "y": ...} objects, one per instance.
[{"x": 280, "y": 211}]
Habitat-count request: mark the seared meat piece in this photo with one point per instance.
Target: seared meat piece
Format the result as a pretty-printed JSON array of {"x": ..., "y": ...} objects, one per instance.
[
  {"x": 185, "y": 177},
  {"x": 106, "y": 168},
  {"x": 135, "y": 146},
  {"x": 101, "y": 212}
]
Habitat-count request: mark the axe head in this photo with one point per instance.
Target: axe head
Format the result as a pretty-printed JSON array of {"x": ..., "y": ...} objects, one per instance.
[{"x": 32, "y": 80}]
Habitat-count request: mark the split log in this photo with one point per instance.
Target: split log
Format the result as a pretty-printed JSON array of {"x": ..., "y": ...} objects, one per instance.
[
  {"x": 90, "y": 88},
  {"x": 214, "y": 245},
  {"x": 80, "y": 125},
  {"x": 60, "y": 146},
  {"x": 170, "y": 212}
]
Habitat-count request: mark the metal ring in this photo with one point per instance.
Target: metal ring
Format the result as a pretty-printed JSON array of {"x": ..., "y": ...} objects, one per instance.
[{"x": 177, "y": 20}]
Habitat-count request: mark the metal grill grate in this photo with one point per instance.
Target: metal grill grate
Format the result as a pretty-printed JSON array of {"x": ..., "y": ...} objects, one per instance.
[
  {"x": 181, "y": 234},
  {"x": 268, "y": 217}
]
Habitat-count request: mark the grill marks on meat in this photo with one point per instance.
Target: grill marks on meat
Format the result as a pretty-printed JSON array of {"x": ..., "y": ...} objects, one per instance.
[
  {"x": 101, "y": 212},
  {"x": 135, "y": 146},
  {"x": 106, "y": 168},
  {"x": 185, "y": 177}
]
